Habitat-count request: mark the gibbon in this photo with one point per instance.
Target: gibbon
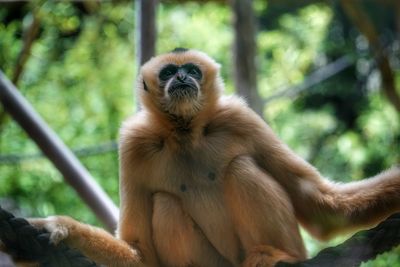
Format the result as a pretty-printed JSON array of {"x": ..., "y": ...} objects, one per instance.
[{"x": 204, "y": 181}]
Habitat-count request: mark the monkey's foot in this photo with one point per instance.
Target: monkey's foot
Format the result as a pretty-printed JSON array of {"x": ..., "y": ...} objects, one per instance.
[
  {"x": 55, "y": 225},
  {"x": 266, "y": 256}
]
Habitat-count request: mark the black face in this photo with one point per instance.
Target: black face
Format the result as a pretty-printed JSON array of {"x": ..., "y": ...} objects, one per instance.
[{"x": 184, "y": 79}]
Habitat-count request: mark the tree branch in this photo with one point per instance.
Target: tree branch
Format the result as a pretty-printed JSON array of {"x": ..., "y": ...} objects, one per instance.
[
  {"x": 29, "y": 37},
  {"x": 361, "y": 20},
  {"x": 314, "y": 78}
]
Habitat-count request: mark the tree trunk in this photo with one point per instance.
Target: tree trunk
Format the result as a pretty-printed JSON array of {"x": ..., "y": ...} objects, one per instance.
[
  {"x": 146, "y": 29},
  {"x": 245, "y": 70},
  {"x": 146, "y": 32}
]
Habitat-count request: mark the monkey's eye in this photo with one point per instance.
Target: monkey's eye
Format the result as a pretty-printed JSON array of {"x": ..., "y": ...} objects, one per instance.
[
  {"x": 167, "y": 72},
  {"x": 193, "y": 70}
]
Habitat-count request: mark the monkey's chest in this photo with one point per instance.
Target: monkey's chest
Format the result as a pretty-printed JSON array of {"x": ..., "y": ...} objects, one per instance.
[{"x": 199, "y": 188}]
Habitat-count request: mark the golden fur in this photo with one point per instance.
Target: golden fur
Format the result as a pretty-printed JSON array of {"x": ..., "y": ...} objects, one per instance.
[{"x": 205, "y": 182}]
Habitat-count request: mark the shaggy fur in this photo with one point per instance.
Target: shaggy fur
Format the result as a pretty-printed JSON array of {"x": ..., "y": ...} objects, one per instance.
[{"x": 205, "y": 182}]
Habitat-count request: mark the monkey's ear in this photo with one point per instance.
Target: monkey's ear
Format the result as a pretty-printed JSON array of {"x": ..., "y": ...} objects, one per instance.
[{"x": 145, "y": 86}]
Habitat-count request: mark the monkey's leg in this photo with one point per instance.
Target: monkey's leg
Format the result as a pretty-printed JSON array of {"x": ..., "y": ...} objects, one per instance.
[
  {"x": 263, "y": 215},
  {"x": 178, "y": 240},
  {"x": 93, "y": 242}
]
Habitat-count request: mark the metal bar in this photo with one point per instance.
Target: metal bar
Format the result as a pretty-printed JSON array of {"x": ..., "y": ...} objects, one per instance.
[{"x": 62, "y": 158}]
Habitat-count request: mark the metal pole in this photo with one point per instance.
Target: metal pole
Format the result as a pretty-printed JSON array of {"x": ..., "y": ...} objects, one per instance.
[{"x": 63, "y": 159}]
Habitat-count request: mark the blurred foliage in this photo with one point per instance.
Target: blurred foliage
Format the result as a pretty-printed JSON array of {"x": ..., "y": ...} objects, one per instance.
[{"x": 80, "y": 78}]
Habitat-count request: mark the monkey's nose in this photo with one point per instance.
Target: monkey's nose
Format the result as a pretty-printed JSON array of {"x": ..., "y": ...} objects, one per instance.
[{"x": 181, "y": 76}]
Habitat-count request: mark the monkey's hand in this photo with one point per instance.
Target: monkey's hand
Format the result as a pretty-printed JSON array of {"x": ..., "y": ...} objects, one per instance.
[{"x": 95, "y": 243}]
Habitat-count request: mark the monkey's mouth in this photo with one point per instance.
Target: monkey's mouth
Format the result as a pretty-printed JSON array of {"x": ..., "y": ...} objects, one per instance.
[{"x": 182, "y": 91}]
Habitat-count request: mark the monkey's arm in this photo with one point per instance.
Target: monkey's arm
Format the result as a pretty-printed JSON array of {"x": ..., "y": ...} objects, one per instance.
[
  {"x": 136, "y": 203},
  {"x": 323, "y": 207},
  {"x": 135, "y": 221},
  {"x": 137, "y": 184}
]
